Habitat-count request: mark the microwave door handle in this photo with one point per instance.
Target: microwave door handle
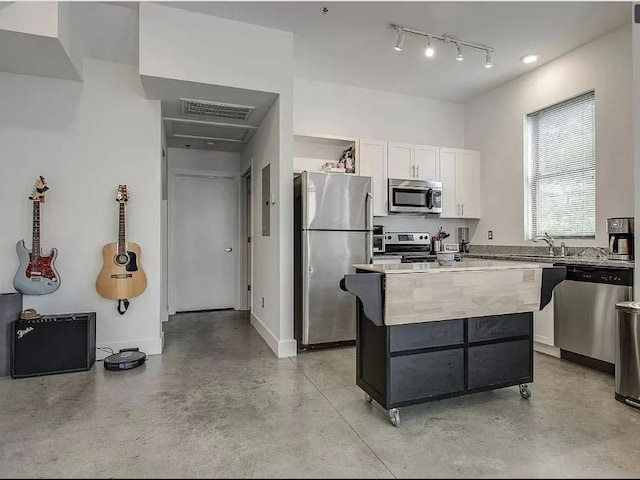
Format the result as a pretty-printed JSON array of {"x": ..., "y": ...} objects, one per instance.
[{"x": 430, "y": 199}]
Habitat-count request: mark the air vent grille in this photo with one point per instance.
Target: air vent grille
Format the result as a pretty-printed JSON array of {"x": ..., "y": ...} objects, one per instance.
[{"x": 202, "y": 108}]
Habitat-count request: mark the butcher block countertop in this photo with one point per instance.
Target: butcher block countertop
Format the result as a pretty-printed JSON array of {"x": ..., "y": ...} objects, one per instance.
[
  {"x": 465, "y": 265},
  {"x": 469, "y": 288}
]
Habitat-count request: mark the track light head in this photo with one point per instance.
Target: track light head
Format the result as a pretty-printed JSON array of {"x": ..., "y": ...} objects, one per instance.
[
  {"x": 400, "y": 41},
  {"x": 488, "y": 63},
  {"x": 428, "y": 49},
  {"x": 459, "y": 57}
]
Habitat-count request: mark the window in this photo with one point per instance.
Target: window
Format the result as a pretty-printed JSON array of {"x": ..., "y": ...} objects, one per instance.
[{"x": 560, "y": 153}]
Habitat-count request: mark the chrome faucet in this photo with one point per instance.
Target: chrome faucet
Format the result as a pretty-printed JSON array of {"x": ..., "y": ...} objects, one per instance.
[{"x": 547, "y": 238}]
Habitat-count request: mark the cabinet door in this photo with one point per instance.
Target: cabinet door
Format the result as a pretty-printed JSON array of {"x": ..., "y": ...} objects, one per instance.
[
  {"x": 543, "y": 324},
  {"x": 401, "y": 161},
  {"x": 427, "y": 162},
  {"x": 373, "y": 163},
  {"x": 468, "y": 183},
  {"x": 450, "y": 204}
]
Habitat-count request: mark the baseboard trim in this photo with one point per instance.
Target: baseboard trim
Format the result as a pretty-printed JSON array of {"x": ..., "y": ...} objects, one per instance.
[
  {"x": 546, "y": 349},
  {"x": 282, "y": 348},
  {"x": 150, "y": 346}
]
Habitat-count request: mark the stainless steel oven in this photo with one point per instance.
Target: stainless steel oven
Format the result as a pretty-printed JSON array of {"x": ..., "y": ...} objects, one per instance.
[{"x": 414, "y": 197}]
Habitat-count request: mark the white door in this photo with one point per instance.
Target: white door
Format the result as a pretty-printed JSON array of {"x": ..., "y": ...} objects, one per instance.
[
  {"x": 205, "y": 232},
  {"x": 373, "y": 163},
  {"x": 427, "y": 163},
  {"x": 450, "y": 205},
  {"x": 400, "y": 160}
]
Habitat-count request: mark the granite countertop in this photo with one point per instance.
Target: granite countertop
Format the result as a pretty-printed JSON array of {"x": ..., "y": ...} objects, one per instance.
[
  {"x": 570, "y": 260},
  {"x": 461, "y": 266}
]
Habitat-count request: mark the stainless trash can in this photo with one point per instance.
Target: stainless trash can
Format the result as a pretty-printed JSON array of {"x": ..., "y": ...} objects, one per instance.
[{"x": 628, "y": 353}]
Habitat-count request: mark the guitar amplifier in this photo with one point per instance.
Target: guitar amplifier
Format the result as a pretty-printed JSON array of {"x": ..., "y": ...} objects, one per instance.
[{"x": 53, "y": 344}]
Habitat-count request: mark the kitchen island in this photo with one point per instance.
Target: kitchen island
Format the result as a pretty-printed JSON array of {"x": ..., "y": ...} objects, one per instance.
[{"x": 426, "y": 332}]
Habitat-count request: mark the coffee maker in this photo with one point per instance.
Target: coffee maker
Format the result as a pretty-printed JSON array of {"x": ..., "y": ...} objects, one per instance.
[{"x": 620, "y": 238}]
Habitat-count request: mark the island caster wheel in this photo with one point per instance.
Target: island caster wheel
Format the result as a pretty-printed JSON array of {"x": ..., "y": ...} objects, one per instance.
[
  {"x": 368, "y": 398},
  {"x": 394, "y": 416},
  {"x": 524, "y": 391}
]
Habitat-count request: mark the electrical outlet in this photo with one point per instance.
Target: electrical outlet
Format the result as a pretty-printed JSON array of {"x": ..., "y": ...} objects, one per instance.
[
  {"x": 490, "y": 235},
  {"x": 262, "y": 301}
]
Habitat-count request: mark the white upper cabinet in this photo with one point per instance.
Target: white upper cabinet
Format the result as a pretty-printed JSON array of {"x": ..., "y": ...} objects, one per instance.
[
  {"x": 427, "y": 162},
  {"x": 460, "y": 175},
  {"x": 373, "y": 163},
  {"x": 414, "y": 162},
  {"x": 401, "y": 161}
]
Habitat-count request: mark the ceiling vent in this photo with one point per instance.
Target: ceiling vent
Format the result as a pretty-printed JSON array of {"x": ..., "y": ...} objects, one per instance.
[{"x": 202, "y": 108}]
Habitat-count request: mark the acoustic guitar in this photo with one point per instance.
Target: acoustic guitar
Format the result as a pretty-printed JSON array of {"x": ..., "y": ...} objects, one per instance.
[
  {"x": 121, "y": 276},
  {"x": 37, "y": 273}
]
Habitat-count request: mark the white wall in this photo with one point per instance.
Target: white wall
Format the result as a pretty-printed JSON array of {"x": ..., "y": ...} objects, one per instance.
[
  {"x": 33, "y": 18},
  {"x": 180, "y": 45},
  {"x": 494, "y": 124},
  {"x": 85, "y": 138},
  {"x": 329, "y": 108},
  {"x": 204, "y": 160}
]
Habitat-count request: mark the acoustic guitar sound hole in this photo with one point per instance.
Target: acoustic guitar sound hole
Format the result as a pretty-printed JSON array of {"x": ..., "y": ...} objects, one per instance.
[{"x": 121, "y": 259}]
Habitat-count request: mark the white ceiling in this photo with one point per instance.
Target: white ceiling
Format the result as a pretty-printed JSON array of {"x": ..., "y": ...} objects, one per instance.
[{"x": 352, "y": 44}]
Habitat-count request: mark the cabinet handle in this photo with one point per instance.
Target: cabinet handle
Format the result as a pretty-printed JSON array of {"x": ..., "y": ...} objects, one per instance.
[
  {"x": 418, "y": 169},
  {"x": 413, "y": 171},
  {"x": 462, "y": 206}
]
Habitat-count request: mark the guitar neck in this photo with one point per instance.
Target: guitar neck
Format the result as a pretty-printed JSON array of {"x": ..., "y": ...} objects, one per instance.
[
  {"x": 121, "y": 231},
  {"x": 35, "y": 245}
]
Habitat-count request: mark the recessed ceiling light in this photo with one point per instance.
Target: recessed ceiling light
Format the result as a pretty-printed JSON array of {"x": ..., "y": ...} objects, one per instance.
[
  {"x": 529, "y": 58},
  {"x": 210, "y": 144}
]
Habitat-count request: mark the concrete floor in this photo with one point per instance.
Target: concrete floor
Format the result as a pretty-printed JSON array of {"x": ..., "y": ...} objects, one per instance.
[{"x": 218, "y": 403}]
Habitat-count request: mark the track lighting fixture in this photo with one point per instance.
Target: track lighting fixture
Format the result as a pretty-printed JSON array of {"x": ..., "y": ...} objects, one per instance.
[
  {"x": 429, "y": 50},
  {"x": 400, "y": 41},
  {"x": 488, "y": 63}
]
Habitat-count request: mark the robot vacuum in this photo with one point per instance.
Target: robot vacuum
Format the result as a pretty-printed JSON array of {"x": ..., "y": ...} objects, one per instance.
[{"x": 125, "y": 359}]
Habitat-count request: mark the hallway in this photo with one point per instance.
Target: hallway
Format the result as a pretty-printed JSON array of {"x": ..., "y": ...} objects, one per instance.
[{"x": 218, "y": 403}]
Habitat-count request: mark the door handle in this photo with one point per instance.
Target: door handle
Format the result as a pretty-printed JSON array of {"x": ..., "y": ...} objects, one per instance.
[{"x": 229, "y": 249}]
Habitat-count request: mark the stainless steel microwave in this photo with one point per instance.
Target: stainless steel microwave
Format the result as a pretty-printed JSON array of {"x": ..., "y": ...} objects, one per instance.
[{"x": 417, "y": 197}]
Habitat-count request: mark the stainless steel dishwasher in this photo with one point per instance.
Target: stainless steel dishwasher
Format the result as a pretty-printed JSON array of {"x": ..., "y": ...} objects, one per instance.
[{"x": 585, "y": 313}]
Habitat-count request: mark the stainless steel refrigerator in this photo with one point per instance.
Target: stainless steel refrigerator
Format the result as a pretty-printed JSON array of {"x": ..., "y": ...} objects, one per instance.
[{"x": 333, "y": 223}]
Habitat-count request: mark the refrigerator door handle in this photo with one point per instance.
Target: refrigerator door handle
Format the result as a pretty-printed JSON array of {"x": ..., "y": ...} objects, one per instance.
[{"x": 369, "y": 226}]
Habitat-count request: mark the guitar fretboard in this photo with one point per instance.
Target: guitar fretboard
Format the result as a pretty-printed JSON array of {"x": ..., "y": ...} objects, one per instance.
[
  {"x": 121, "y": 231},
  {"x": 35, "y": 245}
]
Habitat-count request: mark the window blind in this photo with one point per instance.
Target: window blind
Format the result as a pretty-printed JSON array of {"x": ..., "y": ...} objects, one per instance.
[{"x": 562, "y": 169}]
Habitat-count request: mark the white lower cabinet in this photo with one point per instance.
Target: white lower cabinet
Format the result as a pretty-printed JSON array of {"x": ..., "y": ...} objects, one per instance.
[
  {"x": 373, "y": 163},
  {"x": 543, "y": 330}
]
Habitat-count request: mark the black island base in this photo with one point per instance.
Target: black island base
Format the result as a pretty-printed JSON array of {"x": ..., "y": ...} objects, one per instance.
[{"x": 402, "y": 365}]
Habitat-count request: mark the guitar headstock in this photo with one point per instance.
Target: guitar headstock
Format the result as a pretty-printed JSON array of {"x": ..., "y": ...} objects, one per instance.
[
  {"x": 123, "y": 194},
  {"x": 39, "y": 187}
]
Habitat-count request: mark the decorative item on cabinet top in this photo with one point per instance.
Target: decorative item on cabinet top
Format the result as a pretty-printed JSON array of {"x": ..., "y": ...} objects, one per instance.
[
  {"x": 121, "y": 277},
  {"x": 325, "y": 153},
  {"x": 37, "y": 273}
]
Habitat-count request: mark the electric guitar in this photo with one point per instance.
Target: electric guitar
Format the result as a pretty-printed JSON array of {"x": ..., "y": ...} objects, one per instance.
[
  {"x": 121, "y": 276},
  {"x": 37, "y": 274}
]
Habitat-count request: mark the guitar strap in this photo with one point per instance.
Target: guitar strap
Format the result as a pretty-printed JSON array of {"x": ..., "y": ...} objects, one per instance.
[{"x": 123, "y": 305}]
